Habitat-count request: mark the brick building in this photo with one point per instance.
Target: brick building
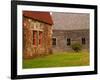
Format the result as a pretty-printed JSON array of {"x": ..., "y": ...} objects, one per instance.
[
  {"x": 37, "y": 33},
  {"x": 70, "y": 28}
]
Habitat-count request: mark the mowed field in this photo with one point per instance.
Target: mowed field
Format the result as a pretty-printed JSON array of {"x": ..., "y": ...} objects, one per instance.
[{"x": 59, "y": 59}]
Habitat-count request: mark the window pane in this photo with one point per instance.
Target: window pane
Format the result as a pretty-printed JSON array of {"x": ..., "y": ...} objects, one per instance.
[
  {"x": 34, "y": 38},
  {"x": 68, "y": 41},
  {"x": 53, "y": 41},
  {"x": 40, "y": 37},
  {"x": 83, "y": 41}
]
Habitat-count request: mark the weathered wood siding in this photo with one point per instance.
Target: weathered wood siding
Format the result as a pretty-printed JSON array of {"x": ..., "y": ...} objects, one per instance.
[{"x": 75, "y": 37}]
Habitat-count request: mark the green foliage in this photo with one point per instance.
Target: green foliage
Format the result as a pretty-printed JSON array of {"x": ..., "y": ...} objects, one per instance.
[{"x": 76, "y": 47}]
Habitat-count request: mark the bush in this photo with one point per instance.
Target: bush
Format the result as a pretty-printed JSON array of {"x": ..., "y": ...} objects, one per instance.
[{"x": 76, "y": 47}]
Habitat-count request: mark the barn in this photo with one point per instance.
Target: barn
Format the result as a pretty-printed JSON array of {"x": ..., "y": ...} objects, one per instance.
[
  {"x": 37, "y": 33},
  {"x": 70, "y": 28}
]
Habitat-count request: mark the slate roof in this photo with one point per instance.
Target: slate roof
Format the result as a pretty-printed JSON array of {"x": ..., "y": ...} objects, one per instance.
[
  {"x": 70, "y": 21},
  {"x": 40, "y": 16}
]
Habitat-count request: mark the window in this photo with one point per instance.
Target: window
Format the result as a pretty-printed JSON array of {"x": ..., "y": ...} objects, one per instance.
[
  {"x": 37, "y": 38},
  {"x": 68, "y": 41},
  {"x": 53, "y": 41},
  {"x": 34, "y": 37},
  {"x": 40, "y": 38},
  {"x": 83, "y": 41}
]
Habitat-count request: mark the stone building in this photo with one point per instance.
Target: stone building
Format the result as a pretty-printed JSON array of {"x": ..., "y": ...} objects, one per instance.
[
  {"x": 70, "y": 28},
  {"x": 37, "y": 33}
]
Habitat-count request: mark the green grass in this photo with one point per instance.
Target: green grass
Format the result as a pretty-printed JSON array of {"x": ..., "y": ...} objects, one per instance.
[{"x": 60, "y": 59}]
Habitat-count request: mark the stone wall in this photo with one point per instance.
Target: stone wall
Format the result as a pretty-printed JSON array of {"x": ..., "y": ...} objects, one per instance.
[
  {"x": 29, "y": 50},
  {"x": 75, "y": 36}
]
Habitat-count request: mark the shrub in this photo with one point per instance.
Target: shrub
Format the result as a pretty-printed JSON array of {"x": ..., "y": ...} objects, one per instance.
[{"x": 76, "y": 47}]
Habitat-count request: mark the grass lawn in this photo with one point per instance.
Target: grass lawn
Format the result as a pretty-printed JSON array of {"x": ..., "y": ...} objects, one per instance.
[{"x": 60, "y": 59}]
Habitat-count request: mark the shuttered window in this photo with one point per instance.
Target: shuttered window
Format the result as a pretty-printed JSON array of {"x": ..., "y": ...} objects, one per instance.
[
  {"x": 40, "y": 38},
  {"x": 37, "y": 38},
  {"x": 34, "y": 37}
]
